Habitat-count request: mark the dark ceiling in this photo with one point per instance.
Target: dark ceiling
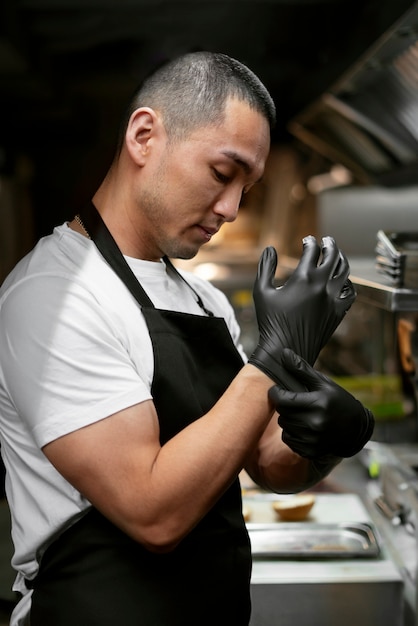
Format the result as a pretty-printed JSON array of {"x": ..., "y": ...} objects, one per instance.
[{"x": 67, "y": 66}]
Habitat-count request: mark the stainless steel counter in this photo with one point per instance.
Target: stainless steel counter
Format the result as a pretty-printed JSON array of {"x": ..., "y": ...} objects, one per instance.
[
  {"x": 399, "y": 486},
  {"x": 326, "y": 592},
  {"x": 397, "y": 520}
]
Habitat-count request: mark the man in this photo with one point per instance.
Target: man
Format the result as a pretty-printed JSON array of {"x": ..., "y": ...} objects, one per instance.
[{"x": 127, "y": 411}]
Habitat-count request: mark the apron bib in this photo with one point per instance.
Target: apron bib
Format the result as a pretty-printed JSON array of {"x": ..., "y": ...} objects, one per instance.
[{"x": 94, "y": 574}]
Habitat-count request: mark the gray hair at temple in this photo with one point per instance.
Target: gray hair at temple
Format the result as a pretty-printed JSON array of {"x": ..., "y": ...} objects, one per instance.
[{"x": 192, "y": 90}]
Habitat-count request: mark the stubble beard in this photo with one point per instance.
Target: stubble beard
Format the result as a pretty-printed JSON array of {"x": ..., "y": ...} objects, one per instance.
[{"x": 155, "y": 213}]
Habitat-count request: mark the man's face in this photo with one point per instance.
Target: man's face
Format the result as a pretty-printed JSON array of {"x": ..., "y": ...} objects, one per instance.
[{"x": 195, "y": 185}]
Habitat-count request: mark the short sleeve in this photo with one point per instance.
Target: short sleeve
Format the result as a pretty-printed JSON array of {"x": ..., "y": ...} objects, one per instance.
[{"x": 64, "y": 361}]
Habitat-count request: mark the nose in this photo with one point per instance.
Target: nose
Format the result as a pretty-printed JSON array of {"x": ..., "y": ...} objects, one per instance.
[{"x": 227, "y": 206}]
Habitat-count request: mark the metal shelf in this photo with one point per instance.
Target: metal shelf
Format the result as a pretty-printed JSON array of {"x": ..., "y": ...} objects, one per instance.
[{"x": 371, "y": 288}]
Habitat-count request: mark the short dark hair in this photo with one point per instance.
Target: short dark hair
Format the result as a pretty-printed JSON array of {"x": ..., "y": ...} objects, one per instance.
[{"x": 191, "y": 91}]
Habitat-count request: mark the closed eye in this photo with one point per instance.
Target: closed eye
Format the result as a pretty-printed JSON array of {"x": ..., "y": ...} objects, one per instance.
[{"x": 222, "y": 178}]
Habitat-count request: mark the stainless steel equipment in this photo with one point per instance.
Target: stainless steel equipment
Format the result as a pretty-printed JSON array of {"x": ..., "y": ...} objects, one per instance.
[
  {"x": 397, "y": 503},
  {"x": 328, "y": 590},
  {"x": 313, "y": 541}
]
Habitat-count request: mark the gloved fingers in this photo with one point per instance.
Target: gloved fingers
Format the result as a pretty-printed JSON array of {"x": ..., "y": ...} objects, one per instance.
[
  {"x": 266, "y": 270},
  {"x": 336, "y": 272},
  {"x": 305, "y": 446},
  {"x": 309, "y": 379},
  {"x": 286, "y": 399},
  {"x": 293, "y": 422},
  {"x": 346, "y": 298},
  {"x": 341, "y": 284},
  {"x": 341, "y": 270},
  {"x": 305, "y": 435},
  {"x": 310, "y": 255},
  {"x": 301, "y": 370},
  {"x": 348, "y": 292},
  {"x": 330, "y": 258}
]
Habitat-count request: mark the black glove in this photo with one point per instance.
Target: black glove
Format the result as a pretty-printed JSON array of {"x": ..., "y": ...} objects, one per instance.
[
  {"x": 305, "y": 311},
  {"x": 325, "y": 420}
]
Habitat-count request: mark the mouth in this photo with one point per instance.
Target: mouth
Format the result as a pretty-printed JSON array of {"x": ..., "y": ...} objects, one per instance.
[{"x": 207, "y": 232}]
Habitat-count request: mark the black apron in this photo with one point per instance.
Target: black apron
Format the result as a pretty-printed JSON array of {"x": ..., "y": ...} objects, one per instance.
[{"x": 94, "y": 574}]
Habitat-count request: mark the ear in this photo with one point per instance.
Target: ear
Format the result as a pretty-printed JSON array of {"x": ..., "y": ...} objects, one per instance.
[{"x": 143, "y": 126}]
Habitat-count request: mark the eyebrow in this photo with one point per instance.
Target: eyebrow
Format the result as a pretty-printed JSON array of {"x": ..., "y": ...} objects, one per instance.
[{"x": 231, "y": 154}]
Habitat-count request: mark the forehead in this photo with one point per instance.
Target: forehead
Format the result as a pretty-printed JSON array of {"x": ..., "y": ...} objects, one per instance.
[
  {"x": 249, "y": 131},
  {"x": 241, "y": 134}
]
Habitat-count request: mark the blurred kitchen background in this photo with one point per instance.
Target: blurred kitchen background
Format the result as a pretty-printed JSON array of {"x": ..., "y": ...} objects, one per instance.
[{"x": 344, "y": 162}]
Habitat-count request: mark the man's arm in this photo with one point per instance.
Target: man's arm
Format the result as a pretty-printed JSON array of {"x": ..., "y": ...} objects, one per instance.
[
  {"x": 158, "y": 494},
  {"x": 311, "y": 432},
  {"x": 276, "y": 467}
]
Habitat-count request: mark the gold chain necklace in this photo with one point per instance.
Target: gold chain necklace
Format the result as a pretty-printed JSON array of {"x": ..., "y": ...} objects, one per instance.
[{"x": 80, "y": 223}]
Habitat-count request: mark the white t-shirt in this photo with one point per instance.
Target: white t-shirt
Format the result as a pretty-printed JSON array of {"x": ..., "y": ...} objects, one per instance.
[{"x": 74, "y": 349}]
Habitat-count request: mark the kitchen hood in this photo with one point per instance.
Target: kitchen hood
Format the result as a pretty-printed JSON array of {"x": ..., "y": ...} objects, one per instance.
[{"x": 368, "y": 119}]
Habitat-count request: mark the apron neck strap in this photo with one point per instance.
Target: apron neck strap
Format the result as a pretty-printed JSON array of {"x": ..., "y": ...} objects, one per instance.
[{"x": 107, "y": 246}]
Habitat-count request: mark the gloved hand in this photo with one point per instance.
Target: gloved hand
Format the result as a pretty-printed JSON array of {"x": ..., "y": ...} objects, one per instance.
[
  {"x": 324, "y": 420},
  {"x": 305, "y": 311}
]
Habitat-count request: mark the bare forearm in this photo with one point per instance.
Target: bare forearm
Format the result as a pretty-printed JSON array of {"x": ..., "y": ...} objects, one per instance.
[
  {"x": 275, "y": 467},
  {"x": 199, "y": 463},
  {"x": 155, "y": 493}
]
